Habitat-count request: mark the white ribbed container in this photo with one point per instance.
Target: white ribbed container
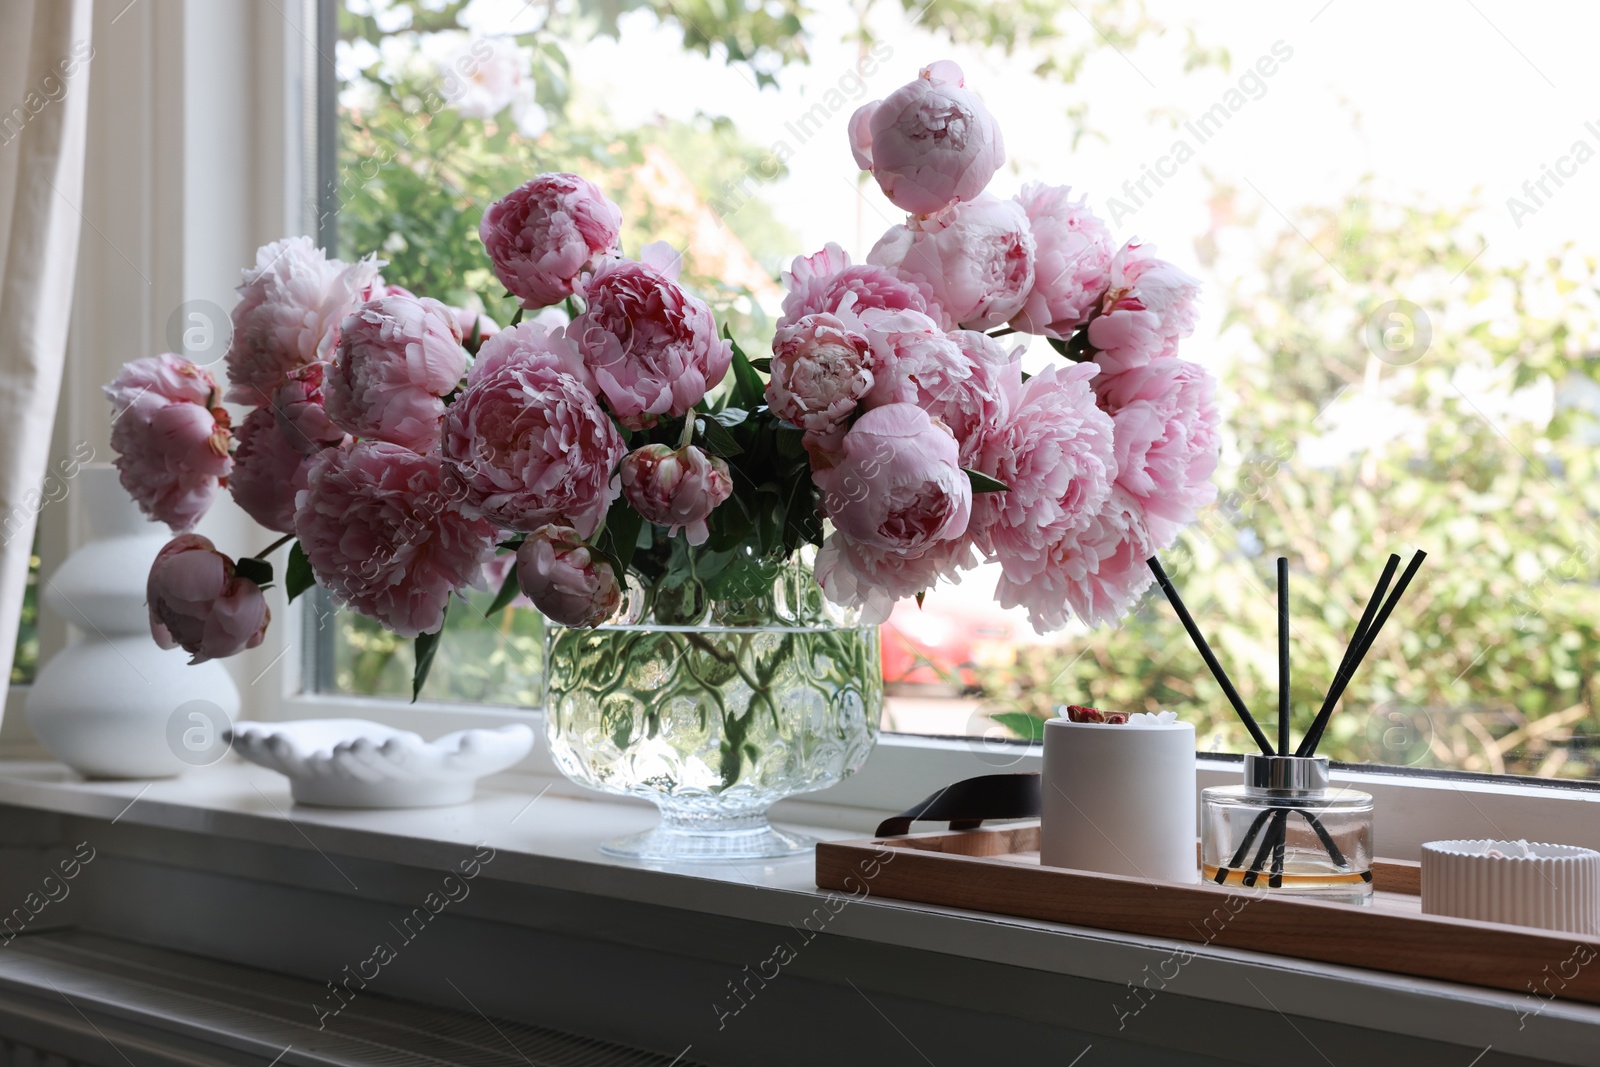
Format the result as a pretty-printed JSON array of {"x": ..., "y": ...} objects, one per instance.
[
  {"x": 1120, "y": 799},
  {"x": 1555, "y": 887}
]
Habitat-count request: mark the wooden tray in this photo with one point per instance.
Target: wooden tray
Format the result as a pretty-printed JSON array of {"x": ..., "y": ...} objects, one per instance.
[{"x": 997, "y": 870}]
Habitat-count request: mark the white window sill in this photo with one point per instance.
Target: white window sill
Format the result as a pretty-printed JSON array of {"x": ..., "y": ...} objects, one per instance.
[{"x": 547, "y": 839}]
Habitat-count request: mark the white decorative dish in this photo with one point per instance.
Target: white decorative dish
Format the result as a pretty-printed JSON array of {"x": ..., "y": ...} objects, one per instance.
[
  {"x": 353, "y": 763},
  {"x": 1528, "y": 883}
]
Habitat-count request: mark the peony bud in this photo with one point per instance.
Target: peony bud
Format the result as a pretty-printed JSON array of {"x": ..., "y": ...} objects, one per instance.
[
  {"x": 676, "y": 488},
  {"x": 930, "y": 144},
  {"x": 561, "y": 575},
  {"x": 198, "y": 603}
]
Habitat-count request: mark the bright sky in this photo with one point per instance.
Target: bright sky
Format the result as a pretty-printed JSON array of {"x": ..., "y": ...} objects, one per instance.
[{"x": 1438, "y": 101}]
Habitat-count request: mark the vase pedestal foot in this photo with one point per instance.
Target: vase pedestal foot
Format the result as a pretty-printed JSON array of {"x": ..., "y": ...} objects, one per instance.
[{"x": 705, "y": 841}]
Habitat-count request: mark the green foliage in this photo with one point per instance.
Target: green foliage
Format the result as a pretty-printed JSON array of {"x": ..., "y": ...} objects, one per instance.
[
  {"x": 1487, "y": 664},
  {"x": 482, "y": 657},
  {"x": 25, "y": 658},
  {"x": 297, "y": 576}
]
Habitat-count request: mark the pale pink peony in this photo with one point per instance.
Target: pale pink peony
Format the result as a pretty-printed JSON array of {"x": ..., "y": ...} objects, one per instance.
[
  {"x": 821, "y": 369},
  {"x": 827, "y": 282},
  {"x": 977, "y": 257},
  {"x": 267, "y": 472},
  {"x": 171, "y": 439},
  {"x": 1056, "y": 457},
  {"x": 1149, "y": 305},
  {"x": 566, "y": 580},
  {"x": 676, "y": 488},
  {"x": 1096, "y": 573},
  {"x": 897, "y": 483},
  {"x": 1071, "y": 264},
  {"x": 528, "y": 439},
  {"x": 872, "y": 580},
  {"x": 1167, "y": 441},
  {"x": 398, "y": 356},
  {"x": 289, "y": 311},
  {"x": 198, "y": 603},
  {"x": 652, "y": 346},
  {"x": 298, "y": 406},
  {"x": 930, "y": 143},
  {"x": 382, "y": 529},
  {"x": 916, "y": 362},
  {"x": 977, "y": 405},
  {"x": 545, "y": 233}
]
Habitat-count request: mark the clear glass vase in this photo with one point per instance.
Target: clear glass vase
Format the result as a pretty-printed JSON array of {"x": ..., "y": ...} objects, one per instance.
[{"x": 714, "y": 696}]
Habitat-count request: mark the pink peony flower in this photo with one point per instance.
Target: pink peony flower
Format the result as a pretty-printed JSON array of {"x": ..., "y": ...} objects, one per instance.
[
  {"x": 298, "y": 406},
  {"x": 528, "y": 439},
  {"x": 1071, "y": 265},
  {"x": 565, "y": 579},
  {"x": 1056, "y": 457},
  {"x": 676, "y": 488},
  {"x": 1167, "y": 441},
  {"x": 398, "y": 356},
  {"x": 1096, "y": 573},
  {"x": 902, "y": 341},
  {"x": 821, "y": 369},
  {"x": 545, "y": 233},
  {"x": 872, "y": 580},
  {"x": 267, "y": 472},
  {"x": 652, "y": 346},
  {"x": 932, "y": 369},
  {"x": 977, "y": 406},
  {"x": 826, "y": 282},
  {"x": 289, "y": 311},
  {"x": 897, "y": 483},
  {"x": 171, "y": 439},
  {"x": 930, "y": 143},
  {"x": 199, "y": 604},
  {"x": 381, "y": 527},
  {"x": 1148, "y": 307},
  {"x": 977, "y": 258}
]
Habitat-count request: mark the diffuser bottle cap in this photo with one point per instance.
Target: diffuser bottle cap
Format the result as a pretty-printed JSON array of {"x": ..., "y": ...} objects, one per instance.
[{"x": 1286, "y": 774}]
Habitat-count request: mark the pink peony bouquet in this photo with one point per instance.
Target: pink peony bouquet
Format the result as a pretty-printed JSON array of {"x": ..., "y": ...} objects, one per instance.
[{"x": 406, "y": 448}]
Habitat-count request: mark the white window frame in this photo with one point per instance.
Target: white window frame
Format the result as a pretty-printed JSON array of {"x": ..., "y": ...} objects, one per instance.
[{"x": 204, "y": 155}]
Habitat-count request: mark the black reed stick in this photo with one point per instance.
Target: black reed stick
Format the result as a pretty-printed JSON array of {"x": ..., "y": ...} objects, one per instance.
[
  {"x": 1211, "y": 660},
  {"x": 1308, "y": 742},
  {"x": 1283, "y": 655},
  {"x": 1314, "y": 737}
]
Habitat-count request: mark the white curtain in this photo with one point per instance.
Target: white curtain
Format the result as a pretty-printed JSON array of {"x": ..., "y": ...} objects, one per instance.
[{"x": 45, "y": 56}]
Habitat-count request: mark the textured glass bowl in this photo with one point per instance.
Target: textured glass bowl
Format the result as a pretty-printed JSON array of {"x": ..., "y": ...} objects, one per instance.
[{"x": 715, "y": 709}]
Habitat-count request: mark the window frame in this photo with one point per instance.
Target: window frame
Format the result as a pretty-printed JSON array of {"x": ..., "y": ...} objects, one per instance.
[{"x": 267, "y": 106}]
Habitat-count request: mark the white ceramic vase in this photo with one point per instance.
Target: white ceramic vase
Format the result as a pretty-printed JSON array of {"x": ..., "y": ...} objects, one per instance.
[
  {"x": 1120, "y": 799},
  {"x": 105, "y": 704}
]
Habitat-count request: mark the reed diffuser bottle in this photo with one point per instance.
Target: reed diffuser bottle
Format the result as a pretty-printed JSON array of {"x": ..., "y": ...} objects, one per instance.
[{"x": 1284, "y": 829}]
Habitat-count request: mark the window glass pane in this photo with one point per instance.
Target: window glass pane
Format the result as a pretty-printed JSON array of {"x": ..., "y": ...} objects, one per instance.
[
  {"x": 25, "y": 660},
  {"x": 1402, "y": 321}
]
